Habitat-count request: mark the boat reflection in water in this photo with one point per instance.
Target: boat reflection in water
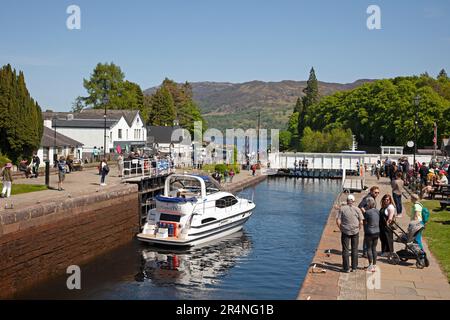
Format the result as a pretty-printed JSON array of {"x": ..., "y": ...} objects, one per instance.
[{"x": 198, "y": 266}]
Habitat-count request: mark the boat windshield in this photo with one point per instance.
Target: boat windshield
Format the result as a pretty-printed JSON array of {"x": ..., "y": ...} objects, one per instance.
[{"x": 191, "y": 187}]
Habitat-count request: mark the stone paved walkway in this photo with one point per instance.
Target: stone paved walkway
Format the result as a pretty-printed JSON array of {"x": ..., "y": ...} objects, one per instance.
[{"x": 390, "y": 282}]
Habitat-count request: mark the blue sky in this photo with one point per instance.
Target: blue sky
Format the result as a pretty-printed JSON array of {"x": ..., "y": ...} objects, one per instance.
[{"x": 208, "y": 40}]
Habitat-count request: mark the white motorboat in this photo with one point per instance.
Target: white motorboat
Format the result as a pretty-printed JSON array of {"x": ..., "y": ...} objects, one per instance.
[{"x": 194, "y": 210}]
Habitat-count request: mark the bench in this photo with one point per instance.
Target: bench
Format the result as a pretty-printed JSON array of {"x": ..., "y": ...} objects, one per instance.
[
  {"x": 443, "y": 191},
  {"x": 444, "y": 204}
]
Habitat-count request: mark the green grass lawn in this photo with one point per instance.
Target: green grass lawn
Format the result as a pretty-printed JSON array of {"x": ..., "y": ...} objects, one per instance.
[
  {"x": 437, "y": 233},
  {"x": 25, "y": 188}
]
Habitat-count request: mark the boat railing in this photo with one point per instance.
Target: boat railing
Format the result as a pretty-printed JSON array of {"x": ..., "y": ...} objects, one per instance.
[{"x": 136, "y": 168}]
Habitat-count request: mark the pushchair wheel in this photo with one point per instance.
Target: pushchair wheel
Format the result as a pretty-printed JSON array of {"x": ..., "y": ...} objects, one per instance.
[
  {"x": 394, "y": 258},
  {"x": 420, "y": 265}
]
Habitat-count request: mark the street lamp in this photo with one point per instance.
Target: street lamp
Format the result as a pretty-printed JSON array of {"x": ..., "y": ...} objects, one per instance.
[
  {"x": 105, "y": 102},
  {"x": 416, "y": 104},
  {"x": 55, "y": 153},
  {"x": 381, "y": 147}
]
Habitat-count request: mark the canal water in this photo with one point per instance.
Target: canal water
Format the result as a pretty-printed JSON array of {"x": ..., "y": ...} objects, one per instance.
[{"x": 267, "y": 260}]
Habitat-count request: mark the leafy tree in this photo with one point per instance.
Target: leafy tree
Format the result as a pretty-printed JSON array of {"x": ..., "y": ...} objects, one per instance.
[
  {"x": 284, "y": 140},
  {"x": 21, "y": 123},
  {"x": 386, "y": 108},
  {"x": 335, "y": 140},
  {"x": 293, "y": 129},
  {"x": 107, "y": 85},
  {"x": 161, "y": 110},
  {"x": 185, "y": 109}
]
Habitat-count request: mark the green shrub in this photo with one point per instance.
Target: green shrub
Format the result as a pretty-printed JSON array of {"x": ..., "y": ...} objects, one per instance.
[{"x": 3, "y": 160}]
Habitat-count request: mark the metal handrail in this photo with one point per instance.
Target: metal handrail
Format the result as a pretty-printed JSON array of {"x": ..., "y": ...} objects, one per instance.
[{"x": 142, "y": 168}]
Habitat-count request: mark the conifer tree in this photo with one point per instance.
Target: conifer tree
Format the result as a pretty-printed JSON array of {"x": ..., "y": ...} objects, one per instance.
[
  {"x": 311, "y": 97},
  {"x": 442, "y": 75},
  {"x": 21, "y": 124}
]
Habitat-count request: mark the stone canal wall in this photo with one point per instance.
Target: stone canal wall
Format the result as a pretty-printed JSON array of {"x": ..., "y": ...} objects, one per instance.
[
  {"x": 41, "y": 241},
  {"x": 245, "y": 183}
]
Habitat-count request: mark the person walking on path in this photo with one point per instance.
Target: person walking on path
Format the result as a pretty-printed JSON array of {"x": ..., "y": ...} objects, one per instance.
[
  {"x": 120, "y": 164},
  {"x": 35, "y": 165},
  {"x": 371, "y": 232},
  {"x": 7, "y": 180},
  {"x": 61, "y": 172},
  {"x": 416, "y": 215},
  {"x": 397, "y": 187},
  {"x": 104, "y": 172},
  {"x": 231, "y": 175},
  {"x": 363, "y": 206},
  {"x": 253, "y": 169},
  {"x": 378, "y": 169},
  {"x": 349, "y": 220},
  {"x": 387, "y": 213}
]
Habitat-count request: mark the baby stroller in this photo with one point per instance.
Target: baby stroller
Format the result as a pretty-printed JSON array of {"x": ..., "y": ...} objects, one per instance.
[{"x": 412, "y": 249}]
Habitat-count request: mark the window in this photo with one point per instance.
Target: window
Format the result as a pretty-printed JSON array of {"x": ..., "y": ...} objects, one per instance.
[
  {"x": 226, "y": 202},
  {"x": 169, "y": 217},
  {"x": 137, "y": 134},
  {"x": 120, "y": 134},
  {"x": 127, "y": 134},
  {"x": 46, "y": 153},
  {"x": 208, "y": 220}
]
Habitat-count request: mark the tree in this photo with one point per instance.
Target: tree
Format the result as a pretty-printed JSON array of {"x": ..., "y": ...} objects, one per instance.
[
  {"x": 185, "y": 109},
  {"x": 161, "y": 108},
  {"x": 385, "y": 107},
  {"x": 293, "y": 129},
  {"x": 284, "y": 140},
  {"x": 298, "y": 106},
  {"x": 21, "y": 124},
  {"x": 107, "y": 85},
  {"x": 335, "y": 140},
  {"x": 442, "y": 75},
  {"x": 311, "y": 97},
  {"x": 78, "y": 104}
]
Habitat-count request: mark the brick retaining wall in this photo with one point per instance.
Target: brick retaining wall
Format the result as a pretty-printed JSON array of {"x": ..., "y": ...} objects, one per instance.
[{"x": 41, "y": 241}]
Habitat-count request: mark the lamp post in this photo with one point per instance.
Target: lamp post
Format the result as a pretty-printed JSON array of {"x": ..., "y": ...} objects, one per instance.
[
  {"x": 381, "y": 148},
  {"x": 55, "y": 153},
  {"x": 416, "y": 104},
  {"x": 105, "y": 102}
]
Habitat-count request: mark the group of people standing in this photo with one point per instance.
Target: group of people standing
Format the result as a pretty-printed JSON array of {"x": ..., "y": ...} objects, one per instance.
[{"x": 377, "y": 224}]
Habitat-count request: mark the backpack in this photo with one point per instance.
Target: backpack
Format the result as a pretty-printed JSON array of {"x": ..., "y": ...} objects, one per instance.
[
  {"x": 106, "y": 168},
  {"x": 425, "y": 215},
  {"x": 62, "y": 167}
]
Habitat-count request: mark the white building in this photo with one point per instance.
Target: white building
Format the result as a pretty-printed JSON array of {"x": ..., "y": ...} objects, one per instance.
[
  {"x": 124, "y": 128},
  {"x": 160, "y": 138},
  {"x": 53, "y": 143}
]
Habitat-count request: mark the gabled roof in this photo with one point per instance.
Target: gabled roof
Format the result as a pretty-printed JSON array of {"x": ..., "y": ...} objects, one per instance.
[
  {"x": 161, "y": 134},
  {"x": 83, "y": 123},
  {"x": 48, "y": 139},
  {"x": 94, "y": 114}
]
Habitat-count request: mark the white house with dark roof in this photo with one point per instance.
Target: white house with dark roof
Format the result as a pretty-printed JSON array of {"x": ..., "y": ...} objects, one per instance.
[
  {"x": 160, "y": 138},
  {"x": 123, "y": 127},
  {"x": 64, "y": 146}
]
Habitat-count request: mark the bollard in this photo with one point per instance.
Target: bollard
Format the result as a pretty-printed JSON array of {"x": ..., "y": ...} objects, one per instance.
[{"x": 47, "y": 173}]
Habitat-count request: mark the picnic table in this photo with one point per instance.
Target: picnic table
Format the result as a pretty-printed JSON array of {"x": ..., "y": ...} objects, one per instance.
[{"x": 442, "y": 190}]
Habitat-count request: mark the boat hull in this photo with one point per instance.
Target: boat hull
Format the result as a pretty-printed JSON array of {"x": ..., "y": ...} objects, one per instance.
[{"x": 199, "y": 238}]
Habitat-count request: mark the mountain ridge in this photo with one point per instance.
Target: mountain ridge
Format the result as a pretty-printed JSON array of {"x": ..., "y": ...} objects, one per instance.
[{"x": 236, "y": 105}]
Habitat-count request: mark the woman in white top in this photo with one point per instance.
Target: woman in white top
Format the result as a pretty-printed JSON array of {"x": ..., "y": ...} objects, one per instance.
[{"x": 387, "y": 213}]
